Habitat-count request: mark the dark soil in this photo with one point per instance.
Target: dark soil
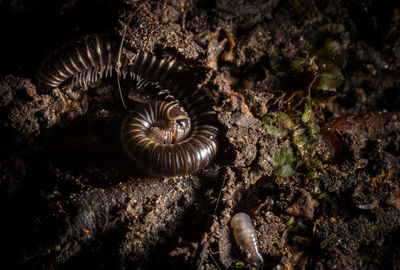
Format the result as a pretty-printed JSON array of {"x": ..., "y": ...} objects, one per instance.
[{"x": 70, "y": 198}]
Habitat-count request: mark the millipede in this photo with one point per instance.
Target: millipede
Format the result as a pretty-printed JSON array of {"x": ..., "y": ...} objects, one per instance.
[
  {"x": 162, "y": 137},
  {"x": 245, "y": 236}
]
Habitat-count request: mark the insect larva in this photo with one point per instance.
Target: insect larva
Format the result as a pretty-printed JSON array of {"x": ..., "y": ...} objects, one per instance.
[
  {"x": 245, "y": 236},
  {"x": 160, "y": 136}
]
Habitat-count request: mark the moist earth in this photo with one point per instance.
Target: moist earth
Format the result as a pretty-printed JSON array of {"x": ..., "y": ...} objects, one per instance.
[{"x": 71, "y": 198}]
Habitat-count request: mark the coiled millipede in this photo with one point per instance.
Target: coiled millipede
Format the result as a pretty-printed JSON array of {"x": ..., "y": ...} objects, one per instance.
[
  {"x": 245, "y": 236},
  {"x": 161, "y": 137}
]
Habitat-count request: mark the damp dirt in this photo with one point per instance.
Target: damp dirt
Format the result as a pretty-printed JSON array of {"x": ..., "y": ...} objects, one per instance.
[{"x": 71, "y": 198}]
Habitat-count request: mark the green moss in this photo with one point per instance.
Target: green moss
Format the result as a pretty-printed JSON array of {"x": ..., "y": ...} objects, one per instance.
[
  {"x": 285, "y": 171},
  {"x": 313, "y": 175},
  {"x": 330, "y": 59},
  {"x": 304, "y": 141},
  {"x": 284, "y": 161},
  {"x": 312, "y": 129},
  {"x": 319, "y": 72},
  {"x": 312, "y": 166},
  {"x": 300, "y": 137},
  {"x": 277, "y": 124},
  {"x": 306, "y": 116},
  {"x": 328, "y": 80},
  {"x": 239, "y": 265},
  {"x": 330, "y": 54},
  {"x": 284, "y": 65},
  {"x": 290, "y": 221}
]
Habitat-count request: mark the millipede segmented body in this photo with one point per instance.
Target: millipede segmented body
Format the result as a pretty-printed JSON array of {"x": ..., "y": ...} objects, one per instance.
[
  {"x": 161, "y": 137},
  {"x": 245, "y": 236}
]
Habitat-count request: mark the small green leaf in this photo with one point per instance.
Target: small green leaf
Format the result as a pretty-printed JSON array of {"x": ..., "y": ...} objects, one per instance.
[
  {"x": 284, "y": 65},
  {"x": 306, "y": 116},
  {"x": 283, "y": 161},
  {"x": 330, "y": 56},
  {"x": 285, "y": 171},
  {"x": 315, "y": 163},
  {"x": 290, "y": 221},
  {"x": 312, "y": 129},
  {"x": 240, "y": 265},
  {"x": 277, "y": 124},
  {"x": 328, "y": 80}
]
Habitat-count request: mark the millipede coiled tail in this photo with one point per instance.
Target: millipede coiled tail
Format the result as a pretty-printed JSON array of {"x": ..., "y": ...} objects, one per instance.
[
  {"x": 245, "y": 236},
  {"x": 163, "y": 138},
  {"x": 85, "y": 60}
]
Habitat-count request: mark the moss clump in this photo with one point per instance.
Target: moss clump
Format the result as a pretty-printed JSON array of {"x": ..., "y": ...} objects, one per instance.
[
  {"x": 327, "y": 59},
  {"x": 284, "y": 161},
  {"x": 319, "y": 71},
  {"x": 330, "y": 60},
  {"x": 277, "y": 124},
  {"x": 300, "y": 137}
]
